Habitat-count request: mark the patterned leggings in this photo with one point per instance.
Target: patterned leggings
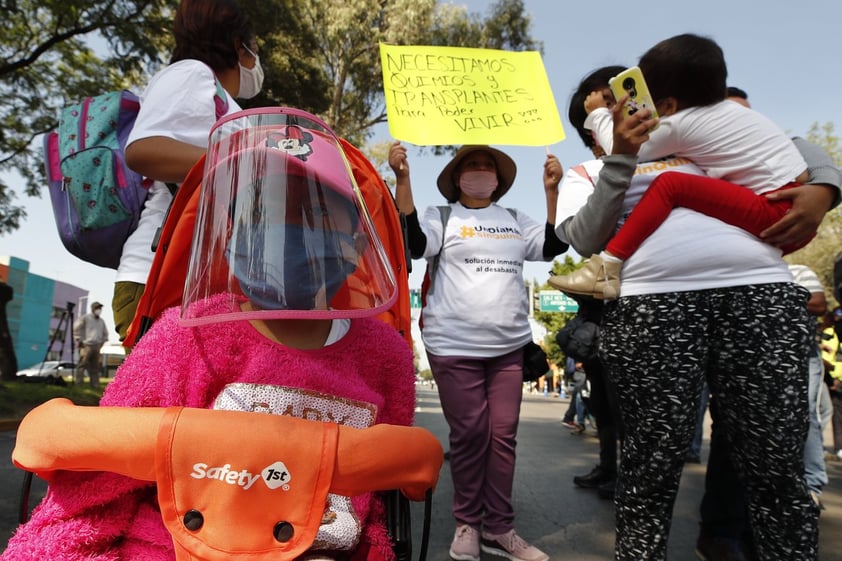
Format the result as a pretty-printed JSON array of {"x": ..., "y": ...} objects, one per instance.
[{"x": 751, "y": 344}]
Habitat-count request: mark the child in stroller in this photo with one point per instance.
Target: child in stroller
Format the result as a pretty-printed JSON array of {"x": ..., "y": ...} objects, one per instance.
[{"x": 273, "y": 320}]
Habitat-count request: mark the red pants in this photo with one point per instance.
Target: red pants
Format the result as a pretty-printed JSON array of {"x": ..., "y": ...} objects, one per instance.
[{"x": 731, "y": 203}]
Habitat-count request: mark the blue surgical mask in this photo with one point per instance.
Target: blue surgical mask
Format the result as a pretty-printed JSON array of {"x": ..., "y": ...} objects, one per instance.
[{"x": 285, "y": 266}]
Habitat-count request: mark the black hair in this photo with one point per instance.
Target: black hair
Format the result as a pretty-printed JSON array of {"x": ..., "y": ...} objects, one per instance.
[
  {"x": 733, "y": 91},
  {"x": 210, "y": 31},
  {"x": 688, "y": 67},
  {"x": 596, "y": 80}
]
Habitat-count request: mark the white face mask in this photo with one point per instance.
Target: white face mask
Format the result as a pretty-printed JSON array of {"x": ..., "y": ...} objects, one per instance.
[{"x": 251, "y": 79}]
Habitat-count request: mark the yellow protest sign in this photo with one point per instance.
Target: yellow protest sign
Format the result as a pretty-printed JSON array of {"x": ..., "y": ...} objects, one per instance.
[{"x": 459, "y": 95}]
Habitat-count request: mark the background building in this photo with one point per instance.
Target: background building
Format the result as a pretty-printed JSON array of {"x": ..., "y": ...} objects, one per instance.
[{"x": 41, "y": 313}]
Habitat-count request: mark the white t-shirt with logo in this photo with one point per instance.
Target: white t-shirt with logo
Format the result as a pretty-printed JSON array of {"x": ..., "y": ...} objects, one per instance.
[{"x": 479, "y": 303}]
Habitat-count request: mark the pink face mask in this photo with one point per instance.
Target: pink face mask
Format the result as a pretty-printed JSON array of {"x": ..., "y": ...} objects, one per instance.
[{"x": 478, "y": 184}]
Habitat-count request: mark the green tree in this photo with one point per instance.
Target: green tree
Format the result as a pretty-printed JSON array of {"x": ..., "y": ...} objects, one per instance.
[
  {"x": 320, "y": 56},
  {"x": 819, "y": 253},
  {"x": 47, "y": 61},
  {"x": 554, "y": 321},
  {"x": 325, "y": 57}
]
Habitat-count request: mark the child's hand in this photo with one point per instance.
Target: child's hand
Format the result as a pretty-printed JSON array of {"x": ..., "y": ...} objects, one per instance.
[{"x": 599, "y": 98}]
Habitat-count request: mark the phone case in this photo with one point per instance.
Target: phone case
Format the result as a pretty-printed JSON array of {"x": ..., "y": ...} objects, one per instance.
[{"x": 630, "y": 82}]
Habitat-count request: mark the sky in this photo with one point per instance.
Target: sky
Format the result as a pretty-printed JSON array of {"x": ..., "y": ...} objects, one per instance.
[{"x": 786, "y": 55}]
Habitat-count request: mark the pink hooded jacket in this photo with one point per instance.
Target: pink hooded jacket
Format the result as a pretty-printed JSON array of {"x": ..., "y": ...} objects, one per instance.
[{"x": 367, "y": 376}]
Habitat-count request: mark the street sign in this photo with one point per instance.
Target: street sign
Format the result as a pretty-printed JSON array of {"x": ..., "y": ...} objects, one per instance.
[
  {"x": 415, "y": 298},
  {"x": 555, "y": 301}
]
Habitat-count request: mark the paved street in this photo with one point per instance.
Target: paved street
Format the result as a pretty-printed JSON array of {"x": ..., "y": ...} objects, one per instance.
[
  {"x": 568, "y": 523},
  {"x": 572, "y": 524}
]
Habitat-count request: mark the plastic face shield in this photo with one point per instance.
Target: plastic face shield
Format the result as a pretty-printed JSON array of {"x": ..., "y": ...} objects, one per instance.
[{"x": 282, "y": 231}]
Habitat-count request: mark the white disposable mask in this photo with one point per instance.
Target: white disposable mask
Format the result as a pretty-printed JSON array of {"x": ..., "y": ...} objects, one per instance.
[
  {"x": 251, "y": 79},
  {"x": 478, "y": 184}
]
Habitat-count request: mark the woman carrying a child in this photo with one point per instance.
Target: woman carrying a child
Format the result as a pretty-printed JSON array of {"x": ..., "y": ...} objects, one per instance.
[{"x": 700, "y": 300}]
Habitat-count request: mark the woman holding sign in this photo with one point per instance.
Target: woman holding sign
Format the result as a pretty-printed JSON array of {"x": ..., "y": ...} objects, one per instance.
[{"x": 474, "y": 326}]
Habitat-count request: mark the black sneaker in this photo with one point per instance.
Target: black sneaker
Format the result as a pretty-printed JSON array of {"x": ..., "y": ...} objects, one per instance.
[
  {"x": 719, "y": 549},
  {"x": 595, "y": 478},
  {"x": 607, "y": 490},
  {"x": 692, "y": 459}
]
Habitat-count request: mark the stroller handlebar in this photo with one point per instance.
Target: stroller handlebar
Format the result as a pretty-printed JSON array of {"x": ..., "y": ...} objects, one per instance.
[
  {"x": 59, "y": 435},
  {"x": 270, "y": 473}
]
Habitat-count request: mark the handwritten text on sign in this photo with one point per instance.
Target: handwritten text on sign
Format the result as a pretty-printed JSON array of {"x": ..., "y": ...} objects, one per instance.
[{"x": 457, "y": 95}]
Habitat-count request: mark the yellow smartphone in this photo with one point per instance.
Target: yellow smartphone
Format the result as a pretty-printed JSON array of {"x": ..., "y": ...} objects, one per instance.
[{"x": 630, "y": 82}]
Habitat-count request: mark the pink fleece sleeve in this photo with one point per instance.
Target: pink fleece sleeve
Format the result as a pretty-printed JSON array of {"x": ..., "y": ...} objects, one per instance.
[
  {"x": 391, "y": 373},
  {"x": 88, "y": 516}
]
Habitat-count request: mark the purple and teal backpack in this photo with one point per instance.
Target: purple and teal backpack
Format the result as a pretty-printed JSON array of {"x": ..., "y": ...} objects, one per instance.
[{"x": 96, "y": 198}]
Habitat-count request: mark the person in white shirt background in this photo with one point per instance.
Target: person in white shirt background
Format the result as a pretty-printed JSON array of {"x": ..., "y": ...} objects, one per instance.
[{"x": 214, "y": 45}]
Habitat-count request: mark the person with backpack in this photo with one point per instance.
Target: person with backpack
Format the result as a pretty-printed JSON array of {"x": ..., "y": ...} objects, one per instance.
[
  {"x": 286, "y": 281},
  {"x": 215, "y": 59},
  {"x": 475, "y": 326}
]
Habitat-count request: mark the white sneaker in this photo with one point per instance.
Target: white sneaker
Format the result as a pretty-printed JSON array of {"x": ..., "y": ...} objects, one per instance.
[
  {"x": 465, "y": 544},
  {"x": 511, "y": 546}
]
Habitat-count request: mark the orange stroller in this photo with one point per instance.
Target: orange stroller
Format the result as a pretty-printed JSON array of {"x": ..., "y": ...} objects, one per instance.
[{"x": 192, "y": 360}]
